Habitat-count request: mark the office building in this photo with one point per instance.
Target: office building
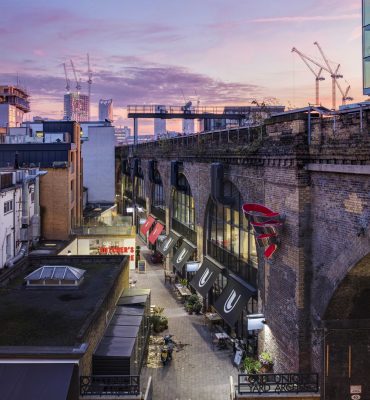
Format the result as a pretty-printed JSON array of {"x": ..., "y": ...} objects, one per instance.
[
  {"x": 106, "y": 110},
  {"x": 14, "y": 103},
  {"x": 76, "y": 107}
]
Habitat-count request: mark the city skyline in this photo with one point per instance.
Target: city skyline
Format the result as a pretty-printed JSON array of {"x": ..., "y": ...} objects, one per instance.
[{"x": 220, "y": 52}]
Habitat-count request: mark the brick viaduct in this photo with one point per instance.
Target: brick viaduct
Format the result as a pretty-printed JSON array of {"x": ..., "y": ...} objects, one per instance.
[{"x": 315, "y": 170}]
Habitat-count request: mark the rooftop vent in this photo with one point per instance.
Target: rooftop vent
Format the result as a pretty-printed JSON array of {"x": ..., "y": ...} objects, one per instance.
[{"x": 55, "y": 275}]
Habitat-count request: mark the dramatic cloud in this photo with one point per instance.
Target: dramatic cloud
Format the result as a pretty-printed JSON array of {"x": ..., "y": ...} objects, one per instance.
[{"x": 142, "y": 85}]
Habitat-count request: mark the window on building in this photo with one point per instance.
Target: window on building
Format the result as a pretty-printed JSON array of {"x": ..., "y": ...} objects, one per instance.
[
  {"x": 157, "y": 192},
  {"x": 183, "y": 211},
  {"x": 8, "y": 246},
  {"x": 8, "y": 206},
  {"x": 230, "y": 239},
  {"x": 183, "y": 204}
]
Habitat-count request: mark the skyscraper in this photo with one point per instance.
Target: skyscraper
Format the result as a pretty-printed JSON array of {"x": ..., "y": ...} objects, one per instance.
[
  {"x": 76, "y": 107},
  {"x": 106, "y": 110}
]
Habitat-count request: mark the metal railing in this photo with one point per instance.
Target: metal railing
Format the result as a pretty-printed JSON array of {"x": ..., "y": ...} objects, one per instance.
[
  {"x": 102, "y": 230},
  {"x": 278, "y": 383},
  {"x": 159, "y": 213},
  {"x": 116, "y": 385},
  {"x": 184, "y": 230}
]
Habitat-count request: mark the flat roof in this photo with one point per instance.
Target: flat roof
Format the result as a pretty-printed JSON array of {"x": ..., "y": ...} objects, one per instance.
[{"x": 55, "y": 316}]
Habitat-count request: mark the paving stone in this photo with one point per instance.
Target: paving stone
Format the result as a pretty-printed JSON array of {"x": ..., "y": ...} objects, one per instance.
[{"x": 198, "y": 371}]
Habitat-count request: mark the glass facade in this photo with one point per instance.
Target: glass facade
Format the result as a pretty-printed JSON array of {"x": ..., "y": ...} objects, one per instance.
[
  {"x": 140, "y": 192},
  {"x": 366, "y": 46},
  {"x": 158, "y": 207},
  {"x": 183, "y": 204},
  {"x": 230, "y": 239}
]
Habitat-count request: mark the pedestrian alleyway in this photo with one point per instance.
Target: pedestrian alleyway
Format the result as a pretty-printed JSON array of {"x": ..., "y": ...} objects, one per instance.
[{"x": 199, "y": 370}]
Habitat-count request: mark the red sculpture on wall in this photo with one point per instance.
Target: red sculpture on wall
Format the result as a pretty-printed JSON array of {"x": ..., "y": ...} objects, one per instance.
[{"x": 265, "y": 223}]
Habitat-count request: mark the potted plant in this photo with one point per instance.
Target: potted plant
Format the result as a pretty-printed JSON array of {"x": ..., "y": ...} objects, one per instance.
[
  {"x": 189, "y": 308},
  {"x": 197, "y": 306},
  {"x": 184, "y": 282},
  {"x": 266, "y": 362},
  {"x": 251, "y": 366}
]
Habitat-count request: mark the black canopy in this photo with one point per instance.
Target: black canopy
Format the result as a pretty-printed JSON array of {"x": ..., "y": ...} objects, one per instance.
[
  {"x": 37, "y": 381},
  {"x": 205, "y": 277},
  {"x": 167, "y": 244},
  {"x": 233, "y": 299},
  {"x": 183, "y": 254}
]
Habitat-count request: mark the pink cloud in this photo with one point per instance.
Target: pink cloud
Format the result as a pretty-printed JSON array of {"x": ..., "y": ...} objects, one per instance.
[{"x": 303, "y": 18}]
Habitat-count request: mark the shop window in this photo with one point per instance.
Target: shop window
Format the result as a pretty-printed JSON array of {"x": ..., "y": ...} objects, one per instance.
[
  {"x": 183, "y": 210},
  {"x": 230, "y": 239}
]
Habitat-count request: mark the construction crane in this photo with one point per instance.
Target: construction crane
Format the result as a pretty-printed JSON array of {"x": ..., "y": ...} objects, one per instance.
[
  {"x": 89, "y": 81},
  {"x": 78, "y": 85},
  {"x": 318, "y": 76},
  {"x": 68, "y": 83},
  {"x": 334, "y": 76}
]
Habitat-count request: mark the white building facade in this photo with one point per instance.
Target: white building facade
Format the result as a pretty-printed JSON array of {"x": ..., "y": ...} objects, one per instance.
[
  {"x": 98, "y": 164},
  {"x": 19, "y": 214}
]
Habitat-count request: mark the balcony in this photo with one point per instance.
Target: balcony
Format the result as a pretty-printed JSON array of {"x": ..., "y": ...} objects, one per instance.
[
  {"x": 184, "y": 230},
  {"x": 233, "y": 263},
  {"x": 160, "y": 213}
]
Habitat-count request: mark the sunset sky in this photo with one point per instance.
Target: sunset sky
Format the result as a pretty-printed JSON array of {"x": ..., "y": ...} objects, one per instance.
[{"x": 150, "y": 51}]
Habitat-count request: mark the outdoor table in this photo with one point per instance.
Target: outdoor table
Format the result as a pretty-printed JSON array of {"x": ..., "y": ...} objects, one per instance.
[{"x": 184, "y": 291}]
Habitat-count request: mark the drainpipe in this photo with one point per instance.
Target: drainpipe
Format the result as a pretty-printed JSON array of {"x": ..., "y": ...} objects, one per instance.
[{"x": 36, "y": 223}]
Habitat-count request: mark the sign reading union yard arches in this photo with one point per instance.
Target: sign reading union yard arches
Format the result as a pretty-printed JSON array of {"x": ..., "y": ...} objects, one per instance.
[
  {"x": 168, "y": 242},
  {"x": 265, "y": 223},
  {"x": 233, "y": 299}
]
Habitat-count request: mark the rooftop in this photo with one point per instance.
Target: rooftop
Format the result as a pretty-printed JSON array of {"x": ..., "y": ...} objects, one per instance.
[{"x": 55, "y": 316}]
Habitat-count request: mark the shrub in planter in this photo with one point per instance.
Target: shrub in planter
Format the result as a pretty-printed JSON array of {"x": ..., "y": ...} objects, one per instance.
[
  {"x": 266, "y": 362},
  {"x": 193, "y": 299},
  {"x": 189, "y": 308},
  {"x": 197, "y": 307},
  {"x": 251, "y": 366}
]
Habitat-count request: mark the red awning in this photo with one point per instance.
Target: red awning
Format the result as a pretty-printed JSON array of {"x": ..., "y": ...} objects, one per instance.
[
  {"x": 155, "y": 233},
  {"x": 148, "y": 223}
]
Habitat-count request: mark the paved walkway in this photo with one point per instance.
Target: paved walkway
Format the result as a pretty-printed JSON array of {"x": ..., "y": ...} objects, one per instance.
[{"x": 198, "y": 371}]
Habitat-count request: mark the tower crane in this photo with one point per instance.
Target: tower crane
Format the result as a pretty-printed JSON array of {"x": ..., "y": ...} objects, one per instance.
[
  {"x": 318, "y": 76},
  {"x": 78, "y": 85},
  {"x": 68, "y": 83},
  {"x": 333, "y": 73},
  {"x": 89, "y": 81}
]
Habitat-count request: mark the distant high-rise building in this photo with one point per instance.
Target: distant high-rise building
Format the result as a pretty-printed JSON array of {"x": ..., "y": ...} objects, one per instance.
[
  {"x": 76, "y": 107},
  {"x": 14, "y": 104},
  {"x": 106, "y": 110},
  {"x": 159, "y": 123},
  {"x": 366, "y": 46},
  {"x": 187, "y": 126},
  {"x": 122, "y": 134}
]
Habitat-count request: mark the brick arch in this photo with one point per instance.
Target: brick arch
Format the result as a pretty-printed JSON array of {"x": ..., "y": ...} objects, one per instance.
[
  {"x": 164, "y": 169},
  {"x": 351, "y": 298},
  {"x": 329, "y": 283}
]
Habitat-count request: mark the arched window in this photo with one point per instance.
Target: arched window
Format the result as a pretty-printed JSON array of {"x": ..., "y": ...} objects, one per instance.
[
  {"x": 140, "y": 193},
  {"x": 158, "y": 205},
  {"x": 229, "y": 237},
  {"x": 183, "y": 212}
]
